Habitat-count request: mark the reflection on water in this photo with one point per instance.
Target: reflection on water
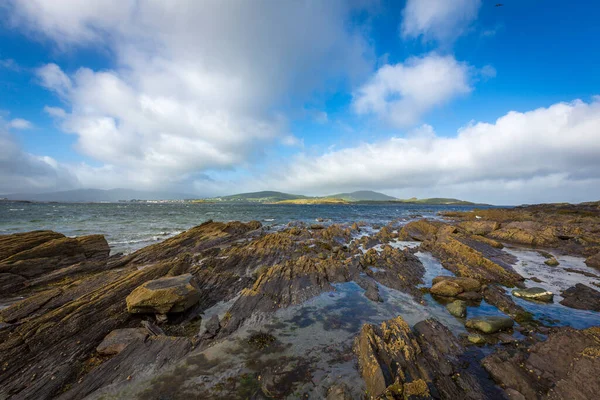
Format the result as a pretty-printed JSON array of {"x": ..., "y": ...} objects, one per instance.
[{"x": 530, "y": 264}]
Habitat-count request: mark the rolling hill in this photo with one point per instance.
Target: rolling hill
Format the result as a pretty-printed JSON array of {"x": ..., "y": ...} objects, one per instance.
[{"x": 363, "y": 195}]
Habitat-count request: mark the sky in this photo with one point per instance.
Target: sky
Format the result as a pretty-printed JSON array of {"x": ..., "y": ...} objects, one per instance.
[{"x": 422, "y": 98}]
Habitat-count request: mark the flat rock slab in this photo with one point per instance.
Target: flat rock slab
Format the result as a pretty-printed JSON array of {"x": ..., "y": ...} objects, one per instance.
[
  {"x": 565, "y": 366},
  {"x": 164, "y": 295},
  {"x": 534, "y": 293},
  {"x": 490, "y": 324},
  {"x": 117, "y": 340}
]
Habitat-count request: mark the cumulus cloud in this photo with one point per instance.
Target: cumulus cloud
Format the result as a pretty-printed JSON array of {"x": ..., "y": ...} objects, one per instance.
[
  {"x": 553, "y": 149},
  {"x": 20, "y": 123},
  {"x": 24, "y": 172},
  {"x": 402, "y": 93},
  {"x": 195, "y": 85},
  {"x": 438, "y": 20}
]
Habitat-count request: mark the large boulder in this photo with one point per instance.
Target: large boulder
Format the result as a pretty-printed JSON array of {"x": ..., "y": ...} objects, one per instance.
[
  {"x": 446, "y": 289},
  {"x": 581, "y": 297},
  {"x": 534, "y": 293},
  {"x": 164, "y": 295},
  {"x": 490, "y": 324},
  {"x": 467, "y": 284}
]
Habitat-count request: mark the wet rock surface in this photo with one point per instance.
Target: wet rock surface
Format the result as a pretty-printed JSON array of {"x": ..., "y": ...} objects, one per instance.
[
  {"x": 565, "y": 366},
  {"x": 534, "y": 293},
  {"x": 581, "y": 297},
  {"x": 77, "y": 323},
  {"x": 490, "y": 324}
]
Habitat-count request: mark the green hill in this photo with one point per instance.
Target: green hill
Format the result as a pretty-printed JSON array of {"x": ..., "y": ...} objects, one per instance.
[
  {"x": 259, "y": 197},
  {"x": 437, "y": 201},
  {"x": 363, "y": 195}
]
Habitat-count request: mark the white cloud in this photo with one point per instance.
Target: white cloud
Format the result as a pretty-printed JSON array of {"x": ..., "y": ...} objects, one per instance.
[
  {"x": 24, "y": 172},
  {"x": 438, "y": 20},
  {"x": 196, "y": 86},
  {"x": 402, "y": 93},
  {"x": 55, "y": 112},
  {"x": 538, "y": 155},
  {"x": 19, "y": 123}
]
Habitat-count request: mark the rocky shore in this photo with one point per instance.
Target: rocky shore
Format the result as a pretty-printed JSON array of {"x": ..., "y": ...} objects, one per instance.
[{"x": 486, "y": 304}]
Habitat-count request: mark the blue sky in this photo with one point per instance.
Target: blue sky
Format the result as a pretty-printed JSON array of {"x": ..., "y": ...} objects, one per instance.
[{"x": 419, "y": 98}]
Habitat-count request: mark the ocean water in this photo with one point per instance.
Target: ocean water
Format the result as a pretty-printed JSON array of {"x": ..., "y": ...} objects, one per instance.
[{"x": 130, "y": 226}]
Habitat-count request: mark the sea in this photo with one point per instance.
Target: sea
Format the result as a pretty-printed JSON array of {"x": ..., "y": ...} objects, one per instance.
[{"x": 131, "y": 226}]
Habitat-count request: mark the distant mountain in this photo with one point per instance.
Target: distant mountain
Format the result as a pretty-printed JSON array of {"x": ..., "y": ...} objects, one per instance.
[
  {"x": 363, "y": 195},
  {"x": 98, "y": 196},
  {"x": 437, "y": 201},
  {"x": 260, "y": 197}
]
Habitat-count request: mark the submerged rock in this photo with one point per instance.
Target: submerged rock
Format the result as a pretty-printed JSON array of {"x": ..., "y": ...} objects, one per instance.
[
  {"x": 370, "y": 287},
  {"x": 565, "y": 366},
  {"x": 534, "y": 293},
  {"x": 117, "y": 340},
  {"x": 476, "y": 338},
  {"x": 164, "y": 295},
  {"x": 490, "y": 324},
  {"x": 496, "y": 296},
  {"x": 581, "y": 297},
  {"x": 458, "y": 308},
  {"x": 338, "y": 391}
]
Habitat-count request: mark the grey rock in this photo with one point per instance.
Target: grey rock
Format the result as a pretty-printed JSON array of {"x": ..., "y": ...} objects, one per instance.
[{"x": 490, "y": 324}]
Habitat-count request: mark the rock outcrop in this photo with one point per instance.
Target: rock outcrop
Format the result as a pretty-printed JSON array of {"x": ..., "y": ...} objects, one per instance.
[
  {"x": 496, "y": 296},
  {"x": 593, "y": 261},
  {"x": 34, "y": 259},
  {"x": 565, "y": 366},
  {"x": 426, "y": 362},
  {"x": 581, "y": 297}
]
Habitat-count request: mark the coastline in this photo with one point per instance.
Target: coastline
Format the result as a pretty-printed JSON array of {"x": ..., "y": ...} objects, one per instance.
[{"x": 313, "y": 308}]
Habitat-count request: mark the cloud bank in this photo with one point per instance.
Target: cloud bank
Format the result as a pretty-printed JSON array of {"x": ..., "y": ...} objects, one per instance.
[
  {"x": 558, "y": 146},
  {"x": 196, "y": 86}
]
